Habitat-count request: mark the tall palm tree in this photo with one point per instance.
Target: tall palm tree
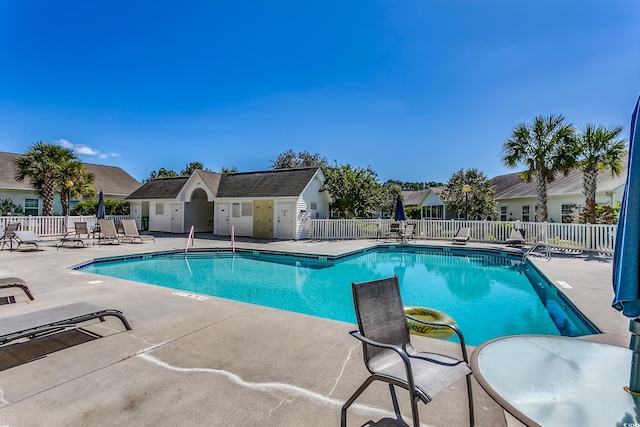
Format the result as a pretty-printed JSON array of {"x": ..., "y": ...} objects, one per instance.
[
  {"x": 546, "y": 147},
  {"x": 599, "y": 149},
  {"x": 74, "y": 181},
  {"x": 43, "y": 163}
]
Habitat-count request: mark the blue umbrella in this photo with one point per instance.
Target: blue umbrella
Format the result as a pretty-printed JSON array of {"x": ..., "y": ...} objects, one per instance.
[
  {"x": 399, "y": 209},
  {"x": 626, "y": 257},
  {"x": 101, "y": 211}
]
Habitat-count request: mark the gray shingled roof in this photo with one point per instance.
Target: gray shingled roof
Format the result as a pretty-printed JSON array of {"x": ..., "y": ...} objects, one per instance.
[
  {"x": 413, "y": 198},
  {"x": 211, "y": 180},
  {"x": 511, "y": 186},
  {"x": 160, "y": 188},
  {"x": 110, "y": 179},
  {"x": 8, "y": 173},
  {"x": 273, "y": 183}
]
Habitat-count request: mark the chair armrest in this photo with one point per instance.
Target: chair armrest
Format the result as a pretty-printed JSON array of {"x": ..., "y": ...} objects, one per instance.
[
  {"x": 356, "y": 333},
  {"x": 401, "y": 352},
  {"x": 455, "y": 329}
]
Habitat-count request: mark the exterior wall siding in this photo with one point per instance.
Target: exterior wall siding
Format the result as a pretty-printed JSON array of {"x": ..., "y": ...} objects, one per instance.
[
  {"x": 311, "y": 195},
  {"x": 554, "y": 205},
  {"x": 160, "y": 219}
]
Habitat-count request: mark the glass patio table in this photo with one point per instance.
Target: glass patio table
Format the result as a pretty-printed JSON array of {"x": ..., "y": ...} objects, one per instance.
[{"x": 558, "y": 381}]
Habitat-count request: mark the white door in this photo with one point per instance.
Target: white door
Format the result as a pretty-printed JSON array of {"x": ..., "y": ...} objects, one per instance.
[
  {"x": 176, "y": 218},
  {"x": 286, "y": 220},
  {"x": 222, "y": 219}
]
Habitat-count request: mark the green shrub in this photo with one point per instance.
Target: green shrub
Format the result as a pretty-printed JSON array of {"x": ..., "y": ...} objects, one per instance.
[
  {"x": 8, "y": 207},
  {"x": 112, "y": 207}
]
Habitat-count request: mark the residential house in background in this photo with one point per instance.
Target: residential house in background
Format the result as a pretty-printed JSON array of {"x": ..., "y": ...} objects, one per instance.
[
  {"x": 430, "y": 203},
  {"x": 265, "y": 204},
  {"x": 517, "y": 199},
  {"x": 115, "y": 183}
]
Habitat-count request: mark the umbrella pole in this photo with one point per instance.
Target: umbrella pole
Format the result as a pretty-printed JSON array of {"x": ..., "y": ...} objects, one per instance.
[{"x": 634, "y": 345}]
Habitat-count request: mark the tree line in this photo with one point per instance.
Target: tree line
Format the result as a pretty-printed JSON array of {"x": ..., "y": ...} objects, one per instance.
[{"x": 546, "y": 147}]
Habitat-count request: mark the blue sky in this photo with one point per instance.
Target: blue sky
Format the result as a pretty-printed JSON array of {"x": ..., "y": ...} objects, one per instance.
[{"x": 416, "y": 89}]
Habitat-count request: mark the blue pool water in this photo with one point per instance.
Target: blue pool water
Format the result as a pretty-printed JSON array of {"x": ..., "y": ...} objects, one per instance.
[{"x": 488, "y": 294}]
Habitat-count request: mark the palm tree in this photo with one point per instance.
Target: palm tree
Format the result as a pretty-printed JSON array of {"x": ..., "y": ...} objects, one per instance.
[
  {"x": 74, "y": 181},
  {"x": 545, "y": 147},
  {"x": 43, "y": 163},
  {"x": 599, "y": 149}
]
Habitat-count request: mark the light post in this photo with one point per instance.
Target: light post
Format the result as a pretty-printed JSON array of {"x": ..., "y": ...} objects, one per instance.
[
  {"x": 466, "y": 189},
  {"x": 67, "y": 196}
]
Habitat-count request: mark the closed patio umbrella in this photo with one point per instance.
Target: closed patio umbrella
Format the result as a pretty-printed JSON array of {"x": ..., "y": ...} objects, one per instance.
[
  {"x": 626, "y": 258},
  {"x": 101, "y": 211},
  {"x": 399, "y": 214}
]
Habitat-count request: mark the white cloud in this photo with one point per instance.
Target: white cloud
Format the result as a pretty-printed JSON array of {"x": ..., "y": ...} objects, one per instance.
[
  {"x": 65, "y": 143},
  {"x": 84, "y": 150}
]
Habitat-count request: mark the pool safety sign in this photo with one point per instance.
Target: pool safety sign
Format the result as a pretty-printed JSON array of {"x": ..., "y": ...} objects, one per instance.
[{"x": 192, "y": 296}]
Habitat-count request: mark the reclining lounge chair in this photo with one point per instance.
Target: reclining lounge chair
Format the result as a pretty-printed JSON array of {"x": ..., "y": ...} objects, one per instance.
[
  {"x": 10, "y": 283},
  {"x": 48, "y": 321},
  {"x": 409, "y": 232},
  {"x": 131, "y": 231},
  {"x": 516, "y": 238},
  {"x": 32, "y": 238},
  {"x": 462, "y": 236},
  {"x": 7, "y": 238},
  {"x": 108, "y": 231},
  {"x": 75, "y": 236}
]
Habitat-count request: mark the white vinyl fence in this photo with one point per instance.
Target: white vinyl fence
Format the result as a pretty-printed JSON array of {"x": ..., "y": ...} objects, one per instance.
[
  {"x": 52, "y": 225},
  {"x": 585, "y": 237}
]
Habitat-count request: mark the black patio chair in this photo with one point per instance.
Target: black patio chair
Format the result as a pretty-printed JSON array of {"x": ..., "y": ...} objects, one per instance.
[{"x": 389, "y": 355}]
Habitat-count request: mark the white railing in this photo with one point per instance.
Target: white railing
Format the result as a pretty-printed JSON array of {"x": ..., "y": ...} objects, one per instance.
[
  {"x": 584, "y": 237},
  {"x": 52, "y": 225}
]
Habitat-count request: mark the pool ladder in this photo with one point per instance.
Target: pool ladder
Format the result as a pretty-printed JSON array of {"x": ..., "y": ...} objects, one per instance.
[{"x": 539, "y": 244}]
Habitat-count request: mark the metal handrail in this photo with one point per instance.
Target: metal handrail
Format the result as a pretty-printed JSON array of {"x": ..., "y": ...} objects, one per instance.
[
  {"x": 534, "y": 247},
  {"x": 189, "y": 239}
]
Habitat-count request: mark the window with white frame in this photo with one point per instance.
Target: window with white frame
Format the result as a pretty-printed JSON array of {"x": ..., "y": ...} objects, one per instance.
[
  {"x": 31, "y": 207},
  {"x": 247, "y": 209},
  {"x": 525, "y": 214},
  {"x": 567, "y": 213},
  {"x": 503, "y": 213},
  {"x": 159, "y": 208},
  {"x": 241, "y": 209}
]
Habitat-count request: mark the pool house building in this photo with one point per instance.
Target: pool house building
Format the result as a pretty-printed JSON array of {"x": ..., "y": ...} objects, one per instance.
[{"x": 272, "y": 204}]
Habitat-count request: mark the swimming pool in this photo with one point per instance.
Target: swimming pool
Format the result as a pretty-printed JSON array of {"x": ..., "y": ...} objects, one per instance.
[{"x": 489, "y": 294}]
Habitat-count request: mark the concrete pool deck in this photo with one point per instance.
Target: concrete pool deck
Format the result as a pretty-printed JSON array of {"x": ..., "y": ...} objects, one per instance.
[{"x": 192, "y": 362}]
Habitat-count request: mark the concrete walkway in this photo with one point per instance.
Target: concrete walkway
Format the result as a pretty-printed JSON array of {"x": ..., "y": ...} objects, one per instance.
[{"x": 215, "y": 362}]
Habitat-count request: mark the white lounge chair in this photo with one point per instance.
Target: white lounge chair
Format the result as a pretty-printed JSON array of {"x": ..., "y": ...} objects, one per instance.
[
  {"x": 462, "y": 236},
  {"x": 409, "y": 232},
  {"x": 516, "y": 238},
  {"x": 131, "y": 231},
  {"x": 8, "y": 286},
  {"x": 7, "y": 238},
  {"x": 108, "y": 232},
  {"x": 48, "y": 321},
  {"x": 31, "y": 238}
]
